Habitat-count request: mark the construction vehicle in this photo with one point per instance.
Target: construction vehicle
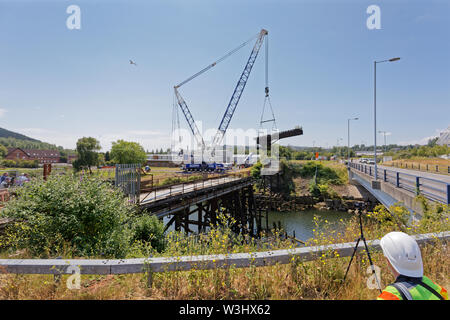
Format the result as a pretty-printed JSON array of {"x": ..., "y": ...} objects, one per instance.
[{"x": 226, "y": 119}]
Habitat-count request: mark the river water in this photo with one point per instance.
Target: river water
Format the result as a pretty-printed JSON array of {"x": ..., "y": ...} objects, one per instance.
[{"x": 302, "y": 222}]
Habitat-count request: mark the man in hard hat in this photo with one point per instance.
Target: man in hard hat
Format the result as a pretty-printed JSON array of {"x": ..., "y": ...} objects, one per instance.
[{"x": 405, "y": 262}]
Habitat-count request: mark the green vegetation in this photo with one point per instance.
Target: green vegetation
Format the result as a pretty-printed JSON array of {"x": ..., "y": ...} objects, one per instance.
[
  {"x": 10, "y": 139},
  {"x": 175, "y": 180},
  {"x": 87, "y": 149},
  {"x": 20, "y": 163},
  {"x": 318, "y": 279},
  {"x": 255, "y": 170},
  {"x": 80, "y": 215},
  {"x": 126, "y": 152},
  {"x": 27, "y": 144},
  {"x": 420, "y": 151},
  {"x": 307, "y": 153},
  {"x": 148, "y": 230},
  {"x": 323, "y": 173},
  {"x": 10, "y": 134}
]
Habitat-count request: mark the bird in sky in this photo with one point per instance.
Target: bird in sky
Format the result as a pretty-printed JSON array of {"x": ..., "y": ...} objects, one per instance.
[{"x": 132, "y": 62}]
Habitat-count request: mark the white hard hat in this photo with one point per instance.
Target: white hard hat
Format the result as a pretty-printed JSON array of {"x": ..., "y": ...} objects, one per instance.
[{"x": 403, "y": 253}]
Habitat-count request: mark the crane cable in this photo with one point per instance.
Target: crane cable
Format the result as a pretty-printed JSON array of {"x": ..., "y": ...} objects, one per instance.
[
  {"x": 216, "y": 62},
  {"x": 176, "y": 126},
  {"x": 267, "y": 97}
]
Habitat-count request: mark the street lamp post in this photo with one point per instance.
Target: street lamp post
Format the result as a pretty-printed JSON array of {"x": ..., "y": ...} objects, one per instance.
[
  {"x": 375, "y": 110},
  {"x": 348, "y": 140}
]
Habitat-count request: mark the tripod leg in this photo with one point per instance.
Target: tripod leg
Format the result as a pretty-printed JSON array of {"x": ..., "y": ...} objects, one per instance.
[
  {"x": 351, "y": 259},
  {"x": 371, "y": 264}
]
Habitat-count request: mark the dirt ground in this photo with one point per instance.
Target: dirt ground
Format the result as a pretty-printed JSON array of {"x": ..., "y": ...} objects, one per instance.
[{"x": 346, "y": 190}]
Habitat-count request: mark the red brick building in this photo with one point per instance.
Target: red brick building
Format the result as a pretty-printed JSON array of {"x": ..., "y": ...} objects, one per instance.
[{"x": 43, "y": 156}]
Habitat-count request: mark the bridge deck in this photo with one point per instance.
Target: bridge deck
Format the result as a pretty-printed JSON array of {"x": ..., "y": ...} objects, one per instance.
[{"x": 165, "y": 201}]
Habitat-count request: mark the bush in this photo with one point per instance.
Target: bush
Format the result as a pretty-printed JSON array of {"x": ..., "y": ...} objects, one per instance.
[
  {"x": 83, "y": 215},
  {"x": 321, "y": 190},
  {"x": 9, "y": 163},
  {"x": 149, "y": 229},
  {"x": 255, "y": 170},
  {"x": 324, "y": 174}
]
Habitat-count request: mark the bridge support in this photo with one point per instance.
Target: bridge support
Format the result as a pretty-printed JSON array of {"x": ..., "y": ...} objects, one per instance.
[{"x": 239, "y": 205}]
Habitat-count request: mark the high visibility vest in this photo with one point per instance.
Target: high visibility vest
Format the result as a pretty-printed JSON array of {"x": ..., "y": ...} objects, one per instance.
[{"x": 416, "y": 290}]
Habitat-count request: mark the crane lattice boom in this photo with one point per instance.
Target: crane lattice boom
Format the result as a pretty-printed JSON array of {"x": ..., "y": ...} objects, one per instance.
[{"x": 237, "y": 92}]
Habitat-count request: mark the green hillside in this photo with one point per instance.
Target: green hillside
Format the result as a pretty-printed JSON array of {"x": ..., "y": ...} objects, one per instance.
[
  {"x": 11, "y": 139},
  {"x": 10, "y": 134}
]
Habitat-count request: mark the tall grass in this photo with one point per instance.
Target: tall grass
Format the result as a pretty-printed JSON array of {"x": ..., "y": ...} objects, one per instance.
[{"x": 319, "y": 279}]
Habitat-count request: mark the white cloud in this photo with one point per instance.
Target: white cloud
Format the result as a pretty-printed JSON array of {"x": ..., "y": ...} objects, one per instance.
[
  {"x": 2, "y": 112},
  {"x": 421, "y": 141}
]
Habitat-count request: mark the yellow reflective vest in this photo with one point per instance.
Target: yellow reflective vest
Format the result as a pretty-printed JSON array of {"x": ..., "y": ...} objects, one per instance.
[{"x": 416, "y": 287}]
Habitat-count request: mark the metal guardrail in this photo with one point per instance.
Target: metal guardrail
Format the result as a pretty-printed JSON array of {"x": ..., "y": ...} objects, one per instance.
[
  {"x": 431, "y": 189},
  {"x": 202, "y": 262}
]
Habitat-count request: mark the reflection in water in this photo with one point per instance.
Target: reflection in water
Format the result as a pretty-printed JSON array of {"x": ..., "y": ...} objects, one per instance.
[{"x": 302, "y": 222}]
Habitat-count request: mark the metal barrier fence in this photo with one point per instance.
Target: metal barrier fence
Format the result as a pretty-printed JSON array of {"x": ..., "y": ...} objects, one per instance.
[
  {"x": 432, "y": 189},
  {"x": 202, "y": 262},
  {"x": 128, "y": 178}
]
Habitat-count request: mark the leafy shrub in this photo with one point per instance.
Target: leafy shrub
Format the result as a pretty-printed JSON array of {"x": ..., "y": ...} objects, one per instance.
[
  {"x": 255, "y": 170},
  {"x": 174, "y": 180},
  {"x": 149, "y": 229},
  {"x": 83, "y": 214},
  {"x": 321, "y": 190},
  {"x": 324, "y": 174},
  {"x": 20, "y": 163}
]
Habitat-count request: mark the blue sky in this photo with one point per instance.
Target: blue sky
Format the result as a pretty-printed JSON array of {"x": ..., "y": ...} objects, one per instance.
[{"x": 58, "y": 84}]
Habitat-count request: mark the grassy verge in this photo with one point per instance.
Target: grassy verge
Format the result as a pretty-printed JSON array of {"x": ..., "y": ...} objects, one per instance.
[{"x": 319, "y": 279}]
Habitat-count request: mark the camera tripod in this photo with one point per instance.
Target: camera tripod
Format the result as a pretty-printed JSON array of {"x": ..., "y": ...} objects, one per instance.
[{"x": 361, "y": 237}]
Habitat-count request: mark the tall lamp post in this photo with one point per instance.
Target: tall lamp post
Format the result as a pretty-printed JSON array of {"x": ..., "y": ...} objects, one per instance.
[
  {"x": 348, "y": 140},
  {"x": 375, "y": 110}
]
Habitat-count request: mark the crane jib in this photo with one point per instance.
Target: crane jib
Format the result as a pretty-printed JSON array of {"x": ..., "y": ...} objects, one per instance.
[
  {"x": 238, "y": 91},
  {"x": 226, "y": 119}
]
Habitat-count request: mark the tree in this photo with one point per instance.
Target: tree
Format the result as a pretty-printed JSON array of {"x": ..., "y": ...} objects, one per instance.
[
  {"x": 432, "y": 142},
  {"x": 87, "y": 153},
  {"x": 92, "y": 221},
  {"x": 3, "y": 151},
  {"x": 124, "y": 152},
  {"x": 107, "y": 156}
]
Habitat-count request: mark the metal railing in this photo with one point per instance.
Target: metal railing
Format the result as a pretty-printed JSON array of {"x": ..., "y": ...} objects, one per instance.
[
  {"x": 163, "y": 192},
  {"x": 433, "y": 189}
]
